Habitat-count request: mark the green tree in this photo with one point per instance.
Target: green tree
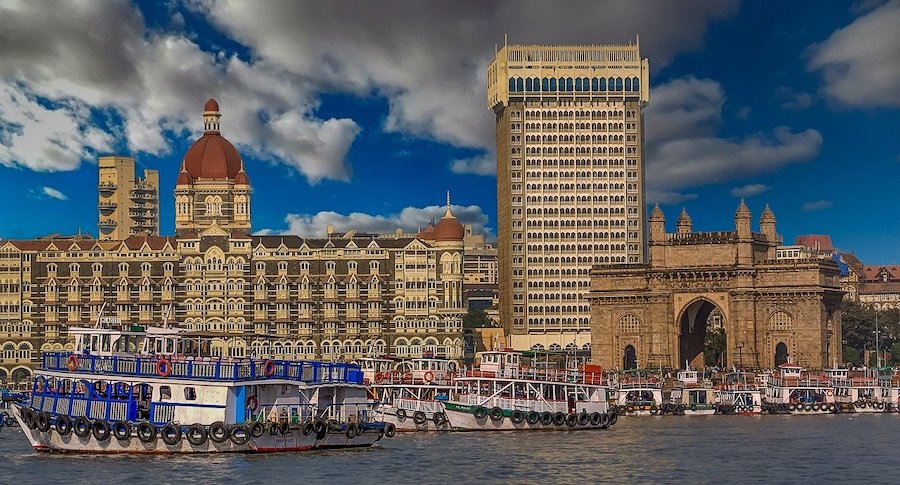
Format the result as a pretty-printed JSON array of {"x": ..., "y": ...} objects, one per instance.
[
  {"x": 851, "y": 355},
  {"x": 858, "y": 325},
  {"x": 477, "y": 319},
  {"x": 714, "y": 347}
]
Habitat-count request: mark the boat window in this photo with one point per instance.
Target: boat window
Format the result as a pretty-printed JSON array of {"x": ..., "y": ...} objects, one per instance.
[
  {"x": 165, "y": 393},
  {"x": 190, "y": 394}
]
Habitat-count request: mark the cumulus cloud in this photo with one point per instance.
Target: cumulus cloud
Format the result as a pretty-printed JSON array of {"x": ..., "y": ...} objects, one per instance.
[
  {"x": 749, "y": 190},
  {"x": 817, "y": 205},
  {"x": 410, "y": 220},
  {"x": 682, "y": 150},
  {"x": 480, "y": 165},
  {"x": 56, "y": 194},
  {"x": 860, "y": 63},
  {"x": 793, "y": 100},
  {"x": 663, "y": 197},
  {"x": 429, "y": 58},
  {"x": 157, "y": 83}
]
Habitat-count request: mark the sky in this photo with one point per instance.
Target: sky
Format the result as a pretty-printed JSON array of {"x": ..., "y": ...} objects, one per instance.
[{"x": 364, "y": 114}]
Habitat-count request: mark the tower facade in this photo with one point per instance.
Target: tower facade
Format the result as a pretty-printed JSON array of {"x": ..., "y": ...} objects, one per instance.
[
  {"x": 126, "y": 205},
  {"x": 212, "y": 187},
  {"x": 570, "y": 181}
]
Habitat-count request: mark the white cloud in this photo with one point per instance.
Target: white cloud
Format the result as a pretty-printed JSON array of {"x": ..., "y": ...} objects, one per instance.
[
  {"x": 480, "y": 165},
  {"x": 817, "y": 205},
  {"x": 410, "y": 219},
  {"x": 682, "y": 150},
  {"x": 663, "y": 197},
  {"x": 860, "y": 63},
  {"x": 157, "y": 82},
  {"x": 749, "y": 190},
  {"x": 793, "y": 100},
  {"x": 51, "y": 192}
]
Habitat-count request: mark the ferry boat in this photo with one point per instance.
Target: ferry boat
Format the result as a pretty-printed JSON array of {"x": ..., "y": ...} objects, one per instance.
[
  {"x": 502, "y": 394},
  {"x": 856, "y": 391},
  {"x": 691, "y": 395},
  {"x": 409, "y": 394},
  {"x": 889, "y": 386},
  {"x": 791, "y": 390},
  {"x": 639, "y": 392},
  {"x": 157, "y": 390},
  {"x": 740, "y": 394}
]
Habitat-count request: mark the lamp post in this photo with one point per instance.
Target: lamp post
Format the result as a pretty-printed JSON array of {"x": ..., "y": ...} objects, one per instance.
[{"x": 740, "y": 347}]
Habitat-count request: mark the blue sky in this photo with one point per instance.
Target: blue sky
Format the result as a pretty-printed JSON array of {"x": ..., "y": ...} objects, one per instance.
[{"x": 364, "y": 117}]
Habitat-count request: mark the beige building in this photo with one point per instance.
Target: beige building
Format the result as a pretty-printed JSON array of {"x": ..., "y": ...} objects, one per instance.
[
  {"x": 570, "y": 180},
  {"x": 336, "y": 298},
  {"x": 772, "y": 311},
  {"x": 126, "y": 205}
]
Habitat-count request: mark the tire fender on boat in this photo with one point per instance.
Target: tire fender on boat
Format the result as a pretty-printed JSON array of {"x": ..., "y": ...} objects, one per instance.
[
  {"x": 390, "y": 430},
  {"x": 308, "y": 429},
  {"x": 196, "y": 434},
  {"x": 63, "y": 425},
  {"x": 100, "y": 430},
  {"x": 400, "y": 413},
  {"x": 146, "y": 432},
  {"x": 496, "y": 414},
  {"x": 240, "y": 435},
  {"x": 121, "y": 430},
  {"x": 219, "y": 432},
  {"x": 170, "y": 434},
  {"x": 419, "y": 417},
  {"x": 351, "y": 431}
]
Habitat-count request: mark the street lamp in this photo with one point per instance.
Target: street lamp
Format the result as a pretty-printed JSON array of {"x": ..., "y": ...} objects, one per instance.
[{"x": 740, "y": 347}]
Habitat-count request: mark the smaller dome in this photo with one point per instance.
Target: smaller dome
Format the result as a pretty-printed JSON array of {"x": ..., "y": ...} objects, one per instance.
[
  {"x": 657, "y": 214},
  {"x": 426, "y": 234},
  {"x": 184, "y": 178},
  {"x": 684, "y": 216},
  {"x": 742, "y": 211},
  {"x": 211, "y": 105},
  {"x": 241, "y": 178},
  {"x": 449, "y": 229}
]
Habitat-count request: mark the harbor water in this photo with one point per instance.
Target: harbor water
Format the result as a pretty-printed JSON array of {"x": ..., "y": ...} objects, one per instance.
[{"x": 665, "y": 449}]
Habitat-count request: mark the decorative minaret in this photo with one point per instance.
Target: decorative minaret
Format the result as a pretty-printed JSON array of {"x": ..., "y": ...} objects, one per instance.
[
  {"x": 684, "y": 225},
  {"x": 767, "y": 224},
  {"x": 742, "y": 221},
  {"x": 657, "y": 225}
]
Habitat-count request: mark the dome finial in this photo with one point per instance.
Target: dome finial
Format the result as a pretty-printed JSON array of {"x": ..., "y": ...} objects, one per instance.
[
  {"x": 448, "y": 213},
  {"x": 211, "y": 116}
]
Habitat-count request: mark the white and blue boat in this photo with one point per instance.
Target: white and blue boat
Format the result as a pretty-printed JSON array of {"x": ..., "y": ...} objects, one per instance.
[{"x": 160, "y": 390}]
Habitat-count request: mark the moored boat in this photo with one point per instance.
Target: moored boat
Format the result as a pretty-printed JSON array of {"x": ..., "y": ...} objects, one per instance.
[
  {"x": 792, "y": 390},
  {"x": 411, "y": 393},
  {"x": 639, "y": 392},
  {"x": 691, "y": 395},
  {"x": 739, "y": 394},
  {"x": 157, "y": 390},
  {"x": 503, "y": 394},
  {"x": 857, "y": 391}
]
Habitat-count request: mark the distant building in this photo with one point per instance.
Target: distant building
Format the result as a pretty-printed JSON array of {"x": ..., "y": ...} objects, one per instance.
[
  {"x": 480, "y": 272},
  {"x": 126, "y": 205},
  {"x": 570, "y": 180},
  {"x": 772, "y": 311},
  {"x": 880, "y": 287}
]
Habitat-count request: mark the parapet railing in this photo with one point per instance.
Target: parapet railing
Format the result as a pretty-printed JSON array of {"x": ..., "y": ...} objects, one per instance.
[{"x": 208, "y": 369}]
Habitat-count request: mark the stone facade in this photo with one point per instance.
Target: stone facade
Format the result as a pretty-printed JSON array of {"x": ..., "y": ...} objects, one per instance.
[
  {"x": 657, "y": 314},
  {"x": 126, "y": 205}
]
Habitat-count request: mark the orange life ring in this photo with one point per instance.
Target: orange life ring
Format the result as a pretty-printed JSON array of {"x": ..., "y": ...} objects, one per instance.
[
  {"x": 448, "y": 376},
  {"x": 379, "y": 377},
  {"x": 428, "y": 376},
  {"x": 269, "y": 368},
  {"x": 252, "y": 403},
  {"x": 72, "y": 362},
  {"x": 830, "y": 392},
  {"x": 163, "y": 367}
]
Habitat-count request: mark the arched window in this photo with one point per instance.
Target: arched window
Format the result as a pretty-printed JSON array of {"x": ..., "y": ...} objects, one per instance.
[
  {"x": 635, "y": 84},
  {"x": 627, "y": 84},
  {"x": 569, "y": 84},
  {"x": 629, "y": 359},
  {"x": 595, "y": 84},
  {"x": 629, "y": 324},
  {"x": 545, "y": 84},
  {"x": 602, "y": 84},
  {"x": 520, "y": 84},
  {"x": 618, "y": 84},
  {"x": 578, "y": 86},
  {"x": 528, "y": 84},
  {"x": 512, "y": 84},
  {"x": 781, "y": 321},
  {"x": 552, "y": 84}
]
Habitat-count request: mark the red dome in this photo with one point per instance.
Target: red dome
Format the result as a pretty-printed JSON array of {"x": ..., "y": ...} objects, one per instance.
[
  {"x": 241, "y": 178},
  {"x": 211, "y": 105},
  {"x": 426, "y": 234},
  {"x": 183, "y": 179},
  {"x": 449, "y": 229},
  {"x": 212, "y": 157}
]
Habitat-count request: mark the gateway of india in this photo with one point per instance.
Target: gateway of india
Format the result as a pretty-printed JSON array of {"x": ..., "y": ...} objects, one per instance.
[{"x": 702, "y": 286}]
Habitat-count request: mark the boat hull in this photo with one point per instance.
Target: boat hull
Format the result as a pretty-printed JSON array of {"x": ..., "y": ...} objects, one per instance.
[
  {"x": 408, "y": 423},
  {"x": 294, "y": 440},
  {"x": 462, "y": 419}
]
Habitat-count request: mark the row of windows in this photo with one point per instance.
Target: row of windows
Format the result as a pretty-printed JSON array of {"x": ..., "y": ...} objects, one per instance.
[
  {"x": 568, "y": 84},
  {"x": 570, "y": 211},
  {"x": 555, "y": 347},
  {"x": 576, "y": 162},
  {"x": 577, "y": 150},
  {"x": 575, "y": 138},
  {"x": 537, "y": 236}
]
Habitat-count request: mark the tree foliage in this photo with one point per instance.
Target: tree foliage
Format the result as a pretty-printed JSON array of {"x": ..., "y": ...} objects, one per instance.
[
  {"x": 858, "y": 327},
  {"x": 477, "y": 319}
]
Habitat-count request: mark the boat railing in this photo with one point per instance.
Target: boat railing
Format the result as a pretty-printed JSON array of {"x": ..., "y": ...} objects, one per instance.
[
  {"x": 639, "y": 383},
  {"x": 88, "y": 405},
  {"x": 362, "y": 412},
  {"x": 397, "y": 377},
  {"x": 538, "y": 405},
  {"x": 216, "y": 369},
  {"x": 854, "y": 381},
  {"x": 806, "y": 381},
  {"x": 569, "y": 376},
  {"x": 738, "y": 387},
  {"x": 418, "y": 405}
]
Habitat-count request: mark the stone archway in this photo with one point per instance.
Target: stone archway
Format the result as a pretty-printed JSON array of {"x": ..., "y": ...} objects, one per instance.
[
  {"x": 629, "y": 359},
  {"x": 702, "y": 339},
  {"x": 781, "y": 354}
]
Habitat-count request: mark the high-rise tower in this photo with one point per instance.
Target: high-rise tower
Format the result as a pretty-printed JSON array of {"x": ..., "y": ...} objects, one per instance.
[
  {"x": 126, "y": 205},
  {"x": 212, "y": 187},
  {"x": 570, "y": 180}
]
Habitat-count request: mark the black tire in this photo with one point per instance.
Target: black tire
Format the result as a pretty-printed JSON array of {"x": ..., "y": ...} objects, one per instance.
[
  {"x": 792, "y": 407},
  {"x": 240, "y": 435},
  {"x": 583, "y": 418},
  {"x": 596, "y": 418},
  {"x": 401, "y": 414},
  {"x": 257, "y": 429},
  {"x": 33, "y": 418},
  {"x": 43, "y": 422},
  {"x": 480, "y": 412},
  {"x": 8, "y": 421},
  {"x": 321, "y": 428},
  {"x": 82, "y": 427},
  {"x": 439, "y": 419},
  {"x": 63, "y": 425},
  {"x": 807, "y": 407},
  {"x": 170, "y": 434},
  {"x": 419, "y": 418},
  {"x": 613, "y": 418},
  {"x": 496, "y": 414},
  {"x": 390, "y": 430},
  {"x": 196, "y": 434},
  {"x": 146, "y": 432},
  {"x": 559, "y": 419},
  {"x": 219, "y": 432},
  {"x": 654, "y": 411},
  {"x": 351, "y": 430},
  {"x": 273, "y": 428},
  {"x": 121, "y": 430},
  {"x": 100, "y": 430},
  {"x": 546, "y": 418},
  {"x": 604, "y": 421},
  {"x": 284, "y": 428},
  {"x": 308, "y": 429},
  {"x": 571, "y": 420},
  {"x": 533, "y": 418},
  {"x": 517, "y": 416}
]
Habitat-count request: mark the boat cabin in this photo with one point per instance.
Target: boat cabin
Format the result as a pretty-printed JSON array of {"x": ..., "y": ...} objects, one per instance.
[{"x": 500, "y": 363}]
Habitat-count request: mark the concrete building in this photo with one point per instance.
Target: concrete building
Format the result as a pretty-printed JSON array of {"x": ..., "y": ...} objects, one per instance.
[
  {"x": 126, "y": 205},
  {"x": 570, "y": 180},
  {"x": 480, "y": 272},
  {"x": 772, "y": 311},
  {"x": 335, "y": 298}
]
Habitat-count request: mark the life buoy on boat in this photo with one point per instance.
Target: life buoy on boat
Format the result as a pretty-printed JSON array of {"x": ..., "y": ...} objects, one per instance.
[
  {"x": 72, "y": 362},
  {"x": 163, "y": 367},
  {"x": 269, "y": 368},
  {"x": 830, "y": 392},
  {"x": 252, "y": 403},
  {"x": 428, "y": 376}
]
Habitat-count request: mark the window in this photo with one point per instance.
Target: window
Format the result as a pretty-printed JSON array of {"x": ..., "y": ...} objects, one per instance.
[
  {"x": 190, "y": 394},
  {"x": 165, "y": 393}
]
